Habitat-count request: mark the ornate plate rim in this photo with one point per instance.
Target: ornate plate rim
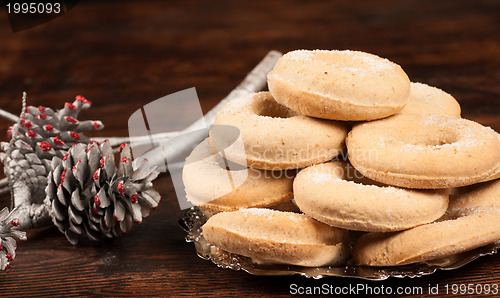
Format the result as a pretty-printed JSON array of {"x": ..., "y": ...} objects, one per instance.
[{"x": 193, "y": 219}]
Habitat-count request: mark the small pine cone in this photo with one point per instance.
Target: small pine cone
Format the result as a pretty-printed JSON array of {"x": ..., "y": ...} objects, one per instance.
[
  {"x": 8, "y": 223},
  {"x": 24, "y": 166},
  {"x": 52, "y": 133},
  {"x": 37, "y": 137},
  {"x": 89, "y": 197}
]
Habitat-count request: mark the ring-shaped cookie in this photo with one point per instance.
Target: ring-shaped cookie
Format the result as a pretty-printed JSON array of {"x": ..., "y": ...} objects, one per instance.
[
  {"x": 269, "y": 236},
  {"x": 336, "y": 194},
  {"x": 277, "y": 138},
  {"x": 339, "y": 85},
  {"x": 472, "y": 221},
  {"x": 423, "y": 151},
  {"x": 214, "y": 188},
  {"x": 425, "y": 99},
  {"x": 496, "y": 173}
]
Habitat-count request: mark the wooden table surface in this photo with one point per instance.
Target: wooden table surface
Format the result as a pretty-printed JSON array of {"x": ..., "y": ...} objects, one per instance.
[{"x": 125, "y": 54}]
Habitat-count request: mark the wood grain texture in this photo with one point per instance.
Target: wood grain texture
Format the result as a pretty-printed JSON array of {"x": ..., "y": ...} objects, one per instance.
[{"x": 122, "y": 55}]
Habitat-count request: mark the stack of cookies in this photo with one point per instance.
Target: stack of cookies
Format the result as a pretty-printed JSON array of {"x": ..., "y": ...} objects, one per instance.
[{"x": 343, "y": 141}]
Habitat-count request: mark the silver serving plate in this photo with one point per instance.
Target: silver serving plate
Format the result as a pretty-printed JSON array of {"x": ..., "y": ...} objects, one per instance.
[{"x": 194, "y": 219}]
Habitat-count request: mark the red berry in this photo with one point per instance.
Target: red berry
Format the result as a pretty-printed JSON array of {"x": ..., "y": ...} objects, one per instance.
[
  {"x": 96, "y": 125},
  {"x": 42, "y": 116},
  {"x": 96, "y": 175},
  {"x": 71, "y": 119},
  {"x": 101, "y": 162},
  {"x": 70, "y": 106},
  {"x": 133, "y": 198},
  {"x": 27, "y": 124},
  {"x": 74, "y": 167},
  {"x": 45, "y": 146},
  {"x": 80, "y": 98},
  {"x": 63, "y": 176},
  {"x": 14, "y": 222},
  {"x": 97, "y": 201},
  {"x": 74, "y": 135},
  {"x": 121, "y": 147},
  {"x": 9, "y": 257},
  {"x": 31, "y": 134},
  {"x": 125, "y": 159},
  {"x": 41, "y": 109},
  {"x": 58, "y": 141},
  {"x": 48, "y": 127},
  {"x": 121, "y": 188}
]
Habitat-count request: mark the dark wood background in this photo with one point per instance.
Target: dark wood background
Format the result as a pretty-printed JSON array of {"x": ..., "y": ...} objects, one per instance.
[{"x": 123, "y": 55}]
